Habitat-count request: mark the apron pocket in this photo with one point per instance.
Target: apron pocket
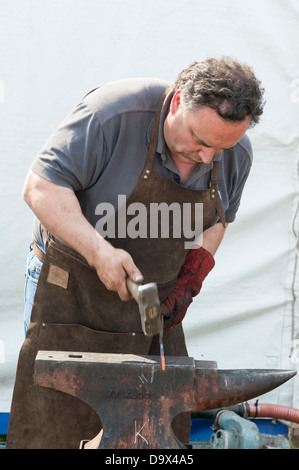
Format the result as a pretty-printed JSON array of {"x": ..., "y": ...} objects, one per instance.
[{"x": 78, "y": 338}]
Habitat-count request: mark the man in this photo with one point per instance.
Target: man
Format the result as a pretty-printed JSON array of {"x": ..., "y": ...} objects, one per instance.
[{"x": 151, "y": 143}]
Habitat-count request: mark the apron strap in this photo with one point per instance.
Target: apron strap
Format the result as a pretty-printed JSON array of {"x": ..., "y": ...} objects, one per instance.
[
  {"x": 215, "y": 194},
  {"x": 154, "y": 136},
  {"x": 46, "y": 234}
]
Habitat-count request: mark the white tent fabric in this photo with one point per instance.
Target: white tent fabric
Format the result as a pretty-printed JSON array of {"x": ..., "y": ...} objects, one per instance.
[{"x": 53, "y": 52}]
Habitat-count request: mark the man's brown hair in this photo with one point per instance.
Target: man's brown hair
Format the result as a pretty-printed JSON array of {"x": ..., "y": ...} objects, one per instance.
[{"x": 225, "y": 85}]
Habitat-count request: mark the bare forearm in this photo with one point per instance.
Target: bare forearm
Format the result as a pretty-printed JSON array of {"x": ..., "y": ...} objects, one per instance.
[
  {"x": 212, "y": 238},
  {"x": 59, "y": 210}
]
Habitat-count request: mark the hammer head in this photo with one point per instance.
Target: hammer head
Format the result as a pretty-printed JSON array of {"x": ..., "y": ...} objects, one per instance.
[
  {"x": 147, "y": 297},
  {"x": 149, "y": 308}
]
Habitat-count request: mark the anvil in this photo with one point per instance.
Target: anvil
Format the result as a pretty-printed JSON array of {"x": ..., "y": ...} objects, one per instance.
[{"x": 137, "y": 401}]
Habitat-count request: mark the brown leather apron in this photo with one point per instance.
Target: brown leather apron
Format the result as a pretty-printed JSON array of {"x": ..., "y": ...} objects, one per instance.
[{"x": 73, "y": 311}]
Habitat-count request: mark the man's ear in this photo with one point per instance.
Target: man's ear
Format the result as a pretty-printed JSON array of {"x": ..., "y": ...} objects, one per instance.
[{"x": 175, "y": 102}]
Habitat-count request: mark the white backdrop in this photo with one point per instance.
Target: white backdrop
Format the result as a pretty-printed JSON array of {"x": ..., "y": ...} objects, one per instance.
[{"x": 52, "y": 52}]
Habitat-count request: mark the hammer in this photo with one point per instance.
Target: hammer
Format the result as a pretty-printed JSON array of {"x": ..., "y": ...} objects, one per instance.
[{"x": 147, "y": 298}]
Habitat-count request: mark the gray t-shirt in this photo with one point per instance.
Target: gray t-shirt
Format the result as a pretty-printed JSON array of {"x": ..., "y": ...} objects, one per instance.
[{"x": 100, "y": 150}]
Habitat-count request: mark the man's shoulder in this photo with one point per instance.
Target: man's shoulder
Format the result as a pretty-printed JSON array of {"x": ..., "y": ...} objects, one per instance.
[
  {"x": 124, "y": 96},
  {"x": 244, "y": 146},
  {"x": 238, "y": 159}
]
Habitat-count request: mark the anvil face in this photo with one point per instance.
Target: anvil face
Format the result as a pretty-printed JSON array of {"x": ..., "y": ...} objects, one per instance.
[{"x": 137, "y": 401}]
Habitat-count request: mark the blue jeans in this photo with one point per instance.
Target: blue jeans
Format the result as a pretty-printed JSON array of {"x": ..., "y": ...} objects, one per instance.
[{"x": 33, "y": 268}]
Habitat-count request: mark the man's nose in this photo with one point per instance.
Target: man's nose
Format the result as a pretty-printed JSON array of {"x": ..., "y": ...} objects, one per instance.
[{"x": 206, "y": 154}]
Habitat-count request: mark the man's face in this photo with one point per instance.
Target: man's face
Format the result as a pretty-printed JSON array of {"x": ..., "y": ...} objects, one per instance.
[{"x": 196, "y": 136}]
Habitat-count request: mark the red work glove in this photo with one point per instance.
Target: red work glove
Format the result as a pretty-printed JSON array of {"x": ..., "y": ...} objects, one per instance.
[{"x": 197, "y": 265}]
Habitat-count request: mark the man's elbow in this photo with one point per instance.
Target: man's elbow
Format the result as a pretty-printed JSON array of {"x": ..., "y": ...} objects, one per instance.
[
  {"x": 27, "y": 189},
  {"x": 32, "y": 189}
]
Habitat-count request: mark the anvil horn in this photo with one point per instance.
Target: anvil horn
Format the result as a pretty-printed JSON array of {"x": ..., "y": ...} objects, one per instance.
[{"x": 221, "y": 388}]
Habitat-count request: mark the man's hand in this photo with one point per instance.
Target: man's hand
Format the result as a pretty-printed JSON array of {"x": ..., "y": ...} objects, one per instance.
[
  {"x": 197, "y": 265},
  {"x": 113, "y": 266}
]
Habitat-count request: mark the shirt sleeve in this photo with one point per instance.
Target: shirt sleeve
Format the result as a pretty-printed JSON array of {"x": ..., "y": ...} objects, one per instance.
[
  {"x": 237, "y": 170},
  {"x": 74, "y": 156}
]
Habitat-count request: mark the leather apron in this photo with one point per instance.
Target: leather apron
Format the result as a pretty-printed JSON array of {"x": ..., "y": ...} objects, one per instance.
[{"x": 73, "y": 311}]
